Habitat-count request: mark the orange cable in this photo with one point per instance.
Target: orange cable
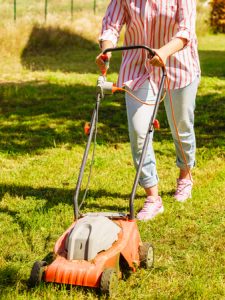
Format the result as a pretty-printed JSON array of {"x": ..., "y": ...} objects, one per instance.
[
  {"x": 177, "y": 133},
  {"x": 137, "y": 99},
  {"x": 174, "y": 122}
]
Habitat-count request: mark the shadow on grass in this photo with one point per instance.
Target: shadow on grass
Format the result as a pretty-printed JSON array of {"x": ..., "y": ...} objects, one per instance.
[
  {"x": 54, "y": 196},
  {"x": 38, "y": 116},
  {"x": 212, "y": 63},
  {"x": 35, "y": 116},
  {"x": 53, "y": 48},
  {"x": 8, "y": 275}
]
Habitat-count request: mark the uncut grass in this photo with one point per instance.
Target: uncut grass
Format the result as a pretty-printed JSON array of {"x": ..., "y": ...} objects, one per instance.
[{"x": 44, "y": 105}]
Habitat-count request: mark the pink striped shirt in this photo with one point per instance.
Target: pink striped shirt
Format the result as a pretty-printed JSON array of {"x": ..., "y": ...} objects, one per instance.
[{"x": 153, "y": 23}]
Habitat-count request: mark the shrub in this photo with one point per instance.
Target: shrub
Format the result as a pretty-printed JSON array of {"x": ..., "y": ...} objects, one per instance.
[{"x": 217, "y": 19}]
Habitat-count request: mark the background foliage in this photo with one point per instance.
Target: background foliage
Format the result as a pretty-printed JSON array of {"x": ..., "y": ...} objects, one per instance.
[{"x": 217, "y": 19}]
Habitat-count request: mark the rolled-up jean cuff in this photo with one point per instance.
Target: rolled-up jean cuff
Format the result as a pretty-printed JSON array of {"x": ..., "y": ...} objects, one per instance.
[
  {"x": 149, "y": 182},
  {"x": 183, "y": 166}
]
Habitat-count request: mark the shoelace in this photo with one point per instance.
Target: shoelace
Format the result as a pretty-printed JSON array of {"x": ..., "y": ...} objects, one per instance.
[
  {"x": 147, "y": 202},
  {"x": 182, "y": 186}
]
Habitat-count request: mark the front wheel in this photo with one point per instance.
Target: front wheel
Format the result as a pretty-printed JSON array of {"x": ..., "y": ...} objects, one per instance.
[
  {"x": 36, "y": 273},
  {"x": 109, "y": 281},
  {"x": 146, "y": 254}
]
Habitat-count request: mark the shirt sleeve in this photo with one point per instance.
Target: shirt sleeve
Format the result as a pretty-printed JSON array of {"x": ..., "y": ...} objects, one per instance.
[
  {"x": 112, "y": 22},
  {"x": 186, "y": 19}
]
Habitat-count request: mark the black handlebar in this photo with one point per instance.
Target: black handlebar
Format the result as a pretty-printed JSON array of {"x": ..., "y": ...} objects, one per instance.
[{"x": 151, "y": 52}]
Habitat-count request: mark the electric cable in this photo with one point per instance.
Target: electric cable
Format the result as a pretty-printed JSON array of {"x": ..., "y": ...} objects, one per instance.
[
  {"x": 138, "y": 99},
  {"x": 176, "y": 129}
]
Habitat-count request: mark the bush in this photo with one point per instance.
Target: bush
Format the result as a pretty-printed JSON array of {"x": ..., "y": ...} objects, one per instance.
[{"x": 217, "y": 19}]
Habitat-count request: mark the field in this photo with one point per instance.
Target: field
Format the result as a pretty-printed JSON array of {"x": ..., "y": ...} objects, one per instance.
[{"x": 47, "y": 93}]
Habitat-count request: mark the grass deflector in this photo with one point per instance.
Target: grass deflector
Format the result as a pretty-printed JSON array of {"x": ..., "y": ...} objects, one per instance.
[{"x": 94, "y": 249}]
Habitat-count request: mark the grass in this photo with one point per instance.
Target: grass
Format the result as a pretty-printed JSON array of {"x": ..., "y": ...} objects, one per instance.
[{"x": 47, "y": 92}]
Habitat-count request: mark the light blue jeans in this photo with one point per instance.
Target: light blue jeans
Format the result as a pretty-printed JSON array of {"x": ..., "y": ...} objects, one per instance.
[{"x": 139, "y": 116}]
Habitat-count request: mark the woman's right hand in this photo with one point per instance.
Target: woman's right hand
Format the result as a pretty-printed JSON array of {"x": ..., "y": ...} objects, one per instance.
[{"x": 102, "y": 61}]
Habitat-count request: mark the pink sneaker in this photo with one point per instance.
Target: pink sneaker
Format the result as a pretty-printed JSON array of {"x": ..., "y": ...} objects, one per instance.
[
  {"x": 152, "y": 207},
  {"x": 183, "y": 192}
]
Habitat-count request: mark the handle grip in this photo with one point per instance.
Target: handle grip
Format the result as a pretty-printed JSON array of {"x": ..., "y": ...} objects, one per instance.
[{"x": 105, "y": 58}]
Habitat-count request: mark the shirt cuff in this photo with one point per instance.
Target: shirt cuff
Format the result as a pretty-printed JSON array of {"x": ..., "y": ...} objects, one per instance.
[
  {"x": 108, "y": 35},
  {"x": 184, "y": 34}
]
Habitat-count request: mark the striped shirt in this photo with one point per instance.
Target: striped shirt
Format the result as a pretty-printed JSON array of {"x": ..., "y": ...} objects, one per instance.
[{"x": 153, "y": 23}]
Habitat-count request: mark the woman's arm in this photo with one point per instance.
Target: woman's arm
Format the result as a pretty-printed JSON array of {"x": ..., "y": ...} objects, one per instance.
[
  {"x": 186, "y": 12},
  {"x": 111, "y": 26},
  {"x": 159, "y": 60}
]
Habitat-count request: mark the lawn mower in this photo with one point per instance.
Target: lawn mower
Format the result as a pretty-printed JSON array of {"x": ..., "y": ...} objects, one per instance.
[{"x": 92, "y": 250}]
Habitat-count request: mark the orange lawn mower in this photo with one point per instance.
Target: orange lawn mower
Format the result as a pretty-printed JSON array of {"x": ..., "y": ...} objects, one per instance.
[{"x": 92, "y": 251}]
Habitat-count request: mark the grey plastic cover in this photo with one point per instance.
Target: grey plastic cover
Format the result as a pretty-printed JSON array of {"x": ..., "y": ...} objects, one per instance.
[{"x": 91, "y": 235}]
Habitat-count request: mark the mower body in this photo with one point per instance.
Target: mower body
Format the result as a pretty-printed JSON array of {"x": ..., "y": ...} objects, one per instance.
[{"x": 84, "y": 272}]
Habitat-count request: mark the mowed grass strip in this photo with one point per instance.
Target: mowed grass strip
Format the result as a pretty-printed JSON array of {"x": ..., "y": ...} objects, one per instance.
[{"x": 44, "y": 105}]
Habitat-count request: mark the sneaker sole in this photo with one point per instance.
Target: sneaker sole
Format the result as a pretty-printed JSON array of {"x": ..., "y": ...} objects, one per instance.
[
  {"x": 160, "y": 211},
  {"x": 189, "y": 197}
]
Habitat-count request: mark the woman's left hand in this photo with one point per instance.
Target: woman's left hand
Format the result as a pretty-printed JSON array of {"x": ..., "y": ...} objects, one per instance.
[{"x": 159, "y": 59}]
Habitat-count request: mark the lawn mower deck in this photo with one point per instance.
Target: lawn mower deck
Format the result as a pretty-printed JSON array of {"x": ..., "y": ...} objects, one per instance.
[{"x": 88, "y": 272}]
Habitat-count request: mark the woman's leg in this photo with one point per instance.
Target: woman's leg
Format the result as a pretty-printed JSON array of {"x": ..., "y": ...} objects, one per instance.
[
  {"x": 139, "y": 117},
  {"x": 183, "y": 101}
]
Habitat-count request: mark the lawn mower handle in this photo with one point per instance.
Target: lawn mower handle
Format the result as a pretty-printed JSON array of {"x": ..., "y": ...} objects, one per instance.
[
  {"x": 144, "y": 150},
  {"x": 151, "y": 52}
]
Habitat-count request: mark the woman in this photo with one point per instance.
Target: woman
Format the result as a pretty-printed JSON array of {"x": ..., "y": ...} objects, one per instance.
[{"x": 168, "y": 27}]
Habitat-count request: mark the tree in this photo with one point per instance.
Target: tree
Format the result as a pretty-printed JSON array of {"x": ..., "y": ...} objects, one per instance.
[{"x": 217, "y": 18}]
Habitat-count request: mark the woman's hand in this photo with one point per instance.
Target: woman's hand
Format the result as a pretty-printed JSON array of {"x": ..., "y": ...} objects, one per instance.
[
  {"x": 159, "y": 59},
  {"x": 101, "y": 63}
]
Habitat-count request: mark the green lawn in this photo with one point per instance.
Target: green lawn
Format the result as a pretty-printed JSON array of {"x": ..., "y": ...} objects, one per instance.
[{"x": 46, "y": 95}]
